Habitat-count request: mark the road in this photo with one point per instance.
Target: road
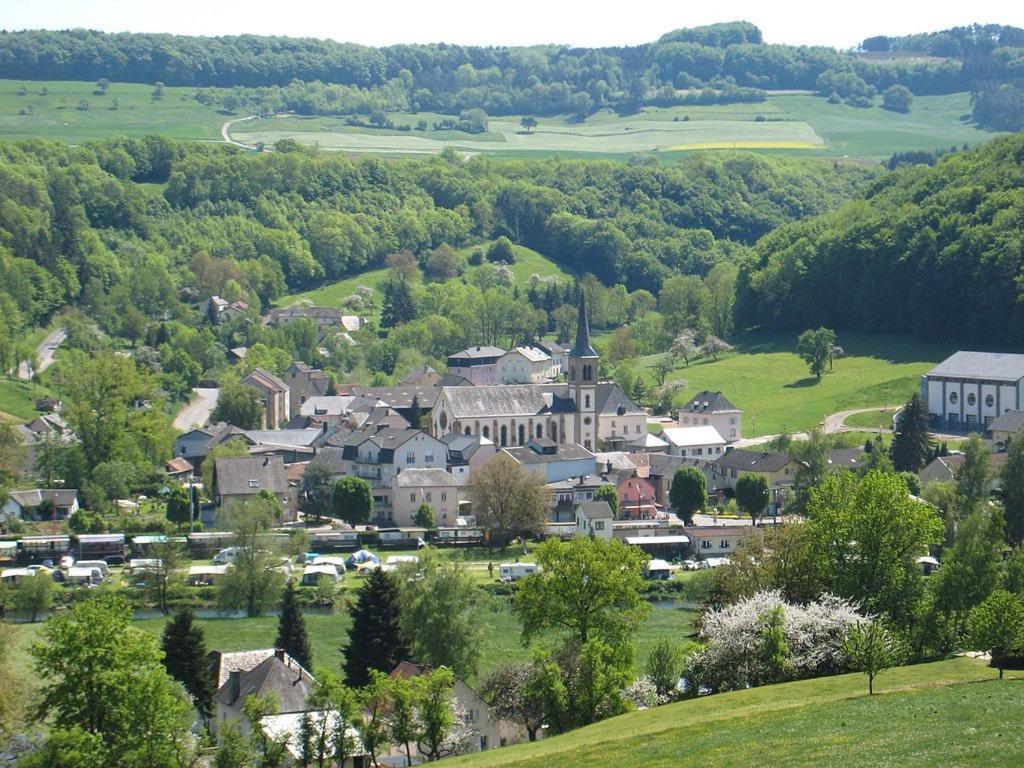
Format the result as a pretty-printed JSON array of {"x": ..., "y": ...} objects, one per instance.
[
  {"x": 225, "y": 132},
  {"x": 197, "y": 412},
  {"x": 833, "y": 424},
  {"x": 44, "y": 354}
]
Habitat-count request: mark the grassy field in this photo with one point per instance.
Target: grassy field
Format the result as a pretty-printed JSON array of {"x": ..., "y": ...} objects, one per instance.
[
  {"x": 772, "y": 385},
  {"x": 528, "y": 262},
  {"x": 17, "y": 398},
  {"x": 951, "y": 713}
]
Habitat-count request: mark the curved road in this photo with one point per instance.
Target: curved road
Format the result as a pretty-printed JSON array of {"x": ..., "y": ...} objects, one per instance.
[
  {"x": 44, "y": 354},
  {"x": 196, "y": 413},
  {"x": 225, "y": 132},
  {"x": 837, "y": 421}
]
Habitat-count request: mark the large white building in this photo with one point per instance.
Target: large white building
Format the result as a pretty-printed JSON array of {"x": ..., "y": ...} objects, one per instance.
[
  {"x": 526, "y": 365},
  {"x": 968, "y": 390},
  {"x": 713, "y": 409}
]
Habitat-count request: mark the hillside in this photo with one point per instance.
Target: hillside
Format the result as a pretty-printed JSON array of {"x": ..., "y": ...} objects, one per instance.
[
  {"x": 932, "y": 251},
  {"x": 926, "y": 715}
]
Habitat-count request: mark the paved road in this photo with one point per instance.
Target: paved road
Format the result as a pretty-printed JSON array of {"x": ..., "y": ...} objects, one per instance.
[
  {"x": 44, "y": 354},
  {"x": 837, "y": 421},
  {"x": 197, "y": 412},
  {"x": 225, "y": 132}
]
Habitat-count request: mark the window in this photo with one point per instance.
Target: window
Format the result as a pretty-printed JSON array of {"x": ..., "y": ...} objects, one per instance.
[
  {"x": 487, "y": 432},
  {"x": 586, "y": 401},
  {"x": 705, "y": 421},
  {"x": 428, "y": 495},
  {"x": 638, "y": 429},
  {"x": 723, "y": 544},
  {"x": 412, "y": 496},
  {"x": 587, "y": 420},
  {"x": 444, "y": 420},
  {"x": 254, "y": 483},
  {"x": 954, "y": 398},
  {"x": 705, "y": 544},
  {"x": 410, "y": 458},
  {"x": 971, "y": 399},
  {"x": 444, "y": 495},
  {"x": 599, "y": 525},
  {"x": 732, "y": 419},
  {"x": 429, "y": 458},
  {"x": 989, "y": 401}
]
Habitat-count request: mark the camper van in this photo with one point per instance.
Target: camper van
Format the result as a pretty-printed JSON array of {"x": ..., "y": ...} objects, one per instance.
[
  {"x": 515, "y": 571},
  {"x": 101, "y": 564},
  {"x": 226, "y": 556}
]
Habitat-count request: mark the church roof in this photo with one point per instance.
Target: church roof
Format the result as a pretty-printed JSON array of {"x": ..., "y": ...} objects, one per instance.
[
  {"x": 508, "y": 400},
  {"x": 582, "y": 346}
]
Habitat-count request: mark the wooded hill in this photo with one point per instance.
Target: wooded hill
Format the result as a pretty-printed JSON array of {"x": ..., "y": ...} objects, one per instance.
[
  {"x": 719, "y": 63},
  {"x": 937, "y": 252}
]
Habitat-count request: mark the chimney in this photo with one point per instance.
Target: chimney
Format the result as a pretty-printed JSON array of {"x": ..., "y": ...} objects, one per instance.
[
  {"x": 279, "y": 653},
  {"x": 234, "y": 685}
]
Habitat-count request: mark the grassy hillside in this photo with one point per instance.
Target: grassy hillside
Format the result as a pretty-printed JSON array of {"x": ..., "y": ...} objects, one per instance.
[
  {"x": 925, "y": 716},
  {"x": 774, "y": 388},
  {"x": 18, "y": 398},
  {"x": 528, "y": 262}
]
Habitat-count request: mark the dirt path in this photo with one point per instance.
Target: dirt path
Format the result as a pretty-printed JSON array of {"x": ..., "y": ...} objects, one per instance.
[
  {"x": 44, "y": 354},
  {"x": 225, "y": 132},
  {"x": 197, "y": 412},
  {"x": 837, "y": 421}
]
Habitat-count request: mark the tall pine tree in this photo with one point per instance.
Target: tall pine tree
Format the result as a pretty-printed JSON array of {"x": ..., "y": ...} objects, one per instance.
[
  {"x": 375, "y": 640},
  {"x": 911, "y": 442},
  {"x": 291, "y": 629},
  {"x": 1013, "y": 490},
  {"x": 185, "y": 659}
]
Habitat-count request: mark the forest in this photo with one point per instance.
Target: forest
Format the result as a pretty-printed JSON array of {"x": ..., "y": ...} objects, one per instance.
[{"x": 720, "y": 63}]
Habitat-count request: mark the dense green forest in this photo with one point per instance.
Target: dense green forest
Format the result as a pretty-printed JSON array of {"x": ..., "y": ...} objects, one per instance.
[
  {"x": 937, "y": 252},
  {"x": 718, "y": 63}
]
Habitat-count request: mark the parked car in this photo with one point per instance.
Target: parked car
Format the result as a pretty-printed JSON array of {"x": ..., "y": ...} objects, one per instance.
[{"x": 226, "y": 556}]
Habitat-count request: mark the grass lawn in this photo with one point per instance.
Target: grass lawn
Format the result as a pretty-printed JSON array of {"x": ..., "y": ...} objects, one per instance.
[
  {"x": 872, "y": 419},
  {"x": 18, "y": 398},
  {"x": 951, "y": 713},
  {"x": 773, "y": 386}
]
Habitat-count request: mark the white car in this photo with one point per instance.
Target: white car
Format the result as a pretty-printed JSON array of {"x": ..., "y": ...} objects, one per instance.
[{"x": 226, "y": 556}]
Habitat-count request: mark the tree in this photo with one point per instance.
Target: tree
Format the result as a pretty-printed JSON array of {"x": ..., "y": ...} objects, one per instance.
[
  {"x": 752, "y": 494},
  {"x": 443, "y": 264},
  {"x": 375, "y": 638},
  {"x": 404, "y": 725},
  {"x": 351, "y": 500},
  {"x": 665, "y": 668},
  {"x": 897, "y": 98},
  {"x": 608, "y": 493},
  {"x": 971, "y": 568},
  {"x": 424, "y": 516},
  {"x": 529, "y": 123},
  {"x": 415, "y": 413},
  {"x": 12, "y": 453},
  {"x": 502, "y": 251},
  {"x": 103, "y": 676},
  {"x": 316, "y": 491},
  {"x": 512, "y": 693},
  {"x": 291, "y": 628},
  {"x": 160, "y": 579},
  {"x": 254, "y": 580},
  {"x": 997, "y": 626},
  {"x": 375, "y": 701},
  {"x": 234, "y": 751},
  {"x": 327, "y": 730},
  {"x": 714, "y": 346},
  {"x": 439, "y": 729},
  {"x": 685, "y": 345},
  {"x": 508, "y": 499},
  {"x": 1012, "y": 476},
  {"x": 179, "y": 506},
  {"x": 811, "y": 457},
  {"x": 439, "y": 603},
  {"x": 240, "y": 405},
  {"x": 815, "y": 348},
  {"x": 587, "y": 588},
  {"x": 185, "y": 659},
  {"x": 34, "y": 595},
  {"x": 912, "y": 445},
  {"x": 870, "y": 648},
  {"x": 688, "y": 493},
  {"x": 973, "y": 475}
]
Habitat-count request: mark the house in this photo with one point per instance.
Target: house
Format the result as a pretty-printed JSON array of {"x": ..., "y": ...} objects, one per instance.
[
  {"x": 41, "y": 503},
  {"x": 435, "y": 487},
  {"x": 477, "y": 364},
  {"x": 274, "y": 395},
  {"x": 559, "y": 354},
  {"x": 715, "y": 540},
  {"x": 239, "y": 479},
  {"x": 648, "y": 442},
  {"x": 712, "y": 409},
  {"x": 637, "y": 498},
  {"x": 552, "y": 461},
  {"x": 1005, "y": 427},
  {"x": 422, "y": 376},
  {"x": 488, "y": 731},
  {"x": 179, "y": 468},
  {"x": 467, "y": 453},
  {"x": 944, "y": 469},
  {"x": 968, "y": 390},
  {"x": 377, "y": 456},
  {"x": 566, "y": 494},
  {"x": 662, "y": 470},
  {"x": 237, "y": 354},
  {"x": 594, "y": 518},
  {"x": 196, "y": 444},
  {"x": 778, "y": 469},
  {"x": 303, "y": 383},
  {"x": 278, "y": 674},
  {"x": 291, "y": 445},
  {"x": 694, "y": 442},
  {"x": 414, "y": 402},
  {"x": 525, "y": 365}
]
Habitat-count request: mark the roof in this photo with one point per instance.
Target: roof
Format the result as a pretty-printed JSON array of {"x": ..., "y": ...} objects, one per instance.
[
  {"x": 416, "y": 374},
  {"x": 1011, "y": 421},
  {"x": 476, "y": 353},
  {"x": 300, "y": 437},
  {"x": 847, "y": 457},
  {"x": 326, "y": 405},
  {"x": 753, "y": 461},
  {"x": 402, "y": 396},
  {"x": 508, "y": 400},
  {"x": 248, "y": 475},
  {"x": 981, "y": 365},
  {"x": 464, "y": 446},
  {"x": 62, "y": 497},
  {"x": 423, "y": 477},
  {"x": 582, "y": 346},
  {"x": 619, "y": 461},
  {"x": 454, "y": 380},
  {"x": 611, "y": 399},
  {"x": 709, "y": 402},
  {"x": 594, "y": 510},
  {"x": 101, "y": 538},
  {"x": 407, "y": 669},
  {"x": 387, "y": 439},
  {"x": 667, "y": 539},
  {"x": 685, "y": 437},
  {"x": 954, "y": 462},
  {"x": 703, "y": 531},
  {"x": 178, "y": 465},
  {"x": 267, "y": 380},
  {"x": 525, "y": 454},
  {"x": 292, "y": 684},
  {"x": 532, "y": 354},
  {"x": 222, "y": 663},
  {"x": 331, "y": 457},
  {"x": 649, "y": 440}
]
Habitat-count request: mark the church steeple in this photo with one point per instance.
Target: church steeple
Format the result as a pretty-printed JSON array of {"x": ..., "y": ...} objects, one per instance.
[{"x": 582, "y": 346}]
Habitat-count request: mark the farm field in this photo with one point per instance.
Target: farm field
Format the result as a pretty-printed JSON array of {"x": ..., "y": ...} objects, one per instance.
[
  {"x": 774, "y": 388},
  {"x": 950, "y": 713},
  {"x": 528, "y": 262}
]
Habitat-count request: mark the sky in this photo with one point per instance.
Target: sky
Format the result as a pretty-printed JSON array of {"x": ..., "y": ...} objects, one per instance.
[{"x": 520, "y": 22}]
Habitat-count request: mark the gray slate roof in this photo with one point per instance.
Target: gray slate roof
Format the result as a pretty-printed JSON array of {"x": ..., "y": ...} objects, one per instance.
[
  {"x": 260, "y": 378},
  {"x": 510, "y": 400},
  {"x": 235, "y": 473},
  {"x": 477, "y": 353},
  {"x": 752, "y": 461},
  {"x": 595, "y": 510},
  {"x": 61, "y": 497},
  {"x": 1001, "y": 366},
  {"x": 401, "y": 397},
  {"x": 1011, "y": 421},
  {"x": 422, "y": 477},
  {"x": 708, "y": 402},
  {"x": 292, "y": 685},
  {"x": 524, "y": 454}
]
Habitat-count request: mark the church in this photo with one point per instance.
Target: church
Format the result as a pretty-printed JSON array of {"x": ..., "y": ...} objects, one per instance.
[{"x": 595, "y": 414}]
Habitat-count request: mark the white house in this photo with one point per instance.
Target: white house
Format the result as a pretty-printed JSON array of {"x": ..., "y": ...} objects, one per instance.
[
  {"x": 60, "y": 503},
  {"x": 694, "y": 442},
  {"x": 712, "y": 409},
  {"x": 526, "y": 365},
  {"x": 477, "y": 364},
  {"x": 435, "y": 487},
  {"x": 968, "y": 390},
  {"x": 594, "y": 518}
]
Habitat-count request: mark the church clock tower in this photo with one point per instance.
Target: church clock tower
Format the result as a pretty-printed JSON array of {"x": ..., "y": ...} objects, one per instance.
[{"x": 583, "y": 364}]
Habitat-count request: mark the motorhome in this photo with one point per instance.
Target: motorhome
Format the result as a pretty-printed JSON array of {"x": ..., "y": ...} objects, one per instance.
[{"x": 516, "y": 571}]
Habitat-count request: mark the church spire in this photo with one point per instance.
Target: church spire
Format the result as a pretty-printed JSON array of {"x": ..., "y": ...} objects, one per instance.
[{"x": 582, "y": 346}]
